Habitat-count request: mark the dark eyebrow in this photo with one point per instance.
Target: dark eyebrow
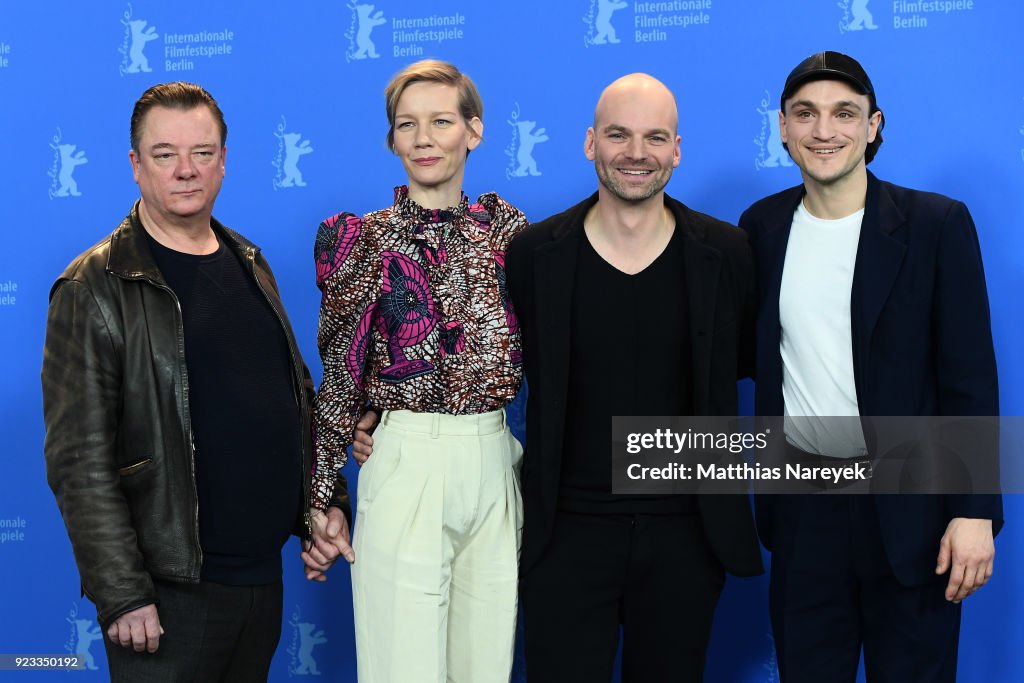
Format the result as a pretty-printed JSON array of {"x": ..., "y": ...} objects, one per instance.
[
  {"x": 842, "y": 104},
  {"x": 614, "y": 128},
  {"x": 847, "y": 104},
  {"x": 167, "y": 145}
]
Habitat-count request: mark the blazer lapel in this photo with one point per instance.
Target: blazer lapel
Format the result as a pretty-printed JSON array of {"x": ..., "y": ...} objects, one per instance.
[
  {"x": 554, "y": 276},
  {"x": 770, "y": 259},
  {"x": 879, "y": 256},
  {"x": 555, "y": 273}
]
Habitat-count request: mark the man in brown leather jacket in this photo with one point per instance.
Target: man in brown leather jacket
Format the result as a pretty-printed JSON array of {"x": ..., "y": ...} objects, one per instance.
[{"x": 177, "y": 416}]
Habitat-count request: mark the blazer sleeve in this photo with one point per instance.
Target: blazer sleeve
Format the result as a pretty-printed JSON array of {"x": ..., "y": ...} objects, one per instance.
[{"x": 964, "y": 353}]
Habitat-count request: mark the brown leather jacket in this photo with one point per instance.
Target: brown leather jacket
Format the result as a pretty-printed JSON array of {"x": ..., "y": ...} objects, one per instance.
[{"x": 119, "y": 449}]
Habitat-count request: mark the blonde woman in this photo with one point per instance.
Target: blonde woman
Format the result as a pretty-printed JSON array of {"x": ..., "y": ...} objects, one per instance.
[{"x": 415, "y": 321}]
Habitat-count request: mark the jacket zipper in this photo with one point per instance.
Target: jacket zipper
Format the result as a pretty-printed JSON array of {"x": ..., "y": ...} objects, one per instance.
[{"x": 187, "y": 413}]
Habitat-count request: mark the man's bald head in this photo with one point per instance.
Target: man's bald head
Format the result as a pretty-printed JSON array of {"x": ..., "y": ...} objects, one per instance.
[
  {"x": 634, "y": 143},
  {"x": 637, "y": 90}
]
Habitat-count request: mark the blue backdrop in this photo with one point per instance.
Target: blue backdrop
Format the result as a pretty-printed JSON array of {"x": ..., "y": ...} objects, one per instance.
[{"x": 301, "y": 86}]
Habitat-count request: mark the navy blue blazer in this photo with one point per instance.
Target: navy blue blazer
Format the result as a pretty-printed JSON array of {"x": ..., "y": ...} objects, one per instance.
[{"x": 922, "y": 342}]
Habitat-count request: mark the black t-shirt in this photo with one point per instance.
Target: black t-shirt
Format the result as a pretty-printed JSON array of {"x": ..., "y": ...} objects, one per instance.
[
  {"x": 630, "y": 355},
  {"x": 245, "y": 415}
]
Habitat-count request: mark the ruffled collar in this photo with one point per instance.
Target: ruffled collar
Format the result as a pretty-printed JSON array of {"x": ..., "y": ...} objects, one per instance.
[
  {"x": 431, "y": 225},
  {"x": 410, "y": 210}
]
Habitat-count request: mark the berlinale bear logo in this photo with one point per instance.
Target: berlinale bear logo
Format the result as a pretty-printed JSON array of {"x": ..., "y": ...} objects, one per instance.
[
  {"x": 136, "y": 36},
  {"x": 360, "y": 46}
]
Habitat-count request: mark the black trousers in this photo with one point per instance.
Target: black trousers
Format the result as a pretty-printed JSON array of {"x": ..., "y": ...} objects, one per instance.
[
  {"x": 654, "y": 575},
  {"x": 212, "y": 632},
  {"x": 832, "y": 592}
]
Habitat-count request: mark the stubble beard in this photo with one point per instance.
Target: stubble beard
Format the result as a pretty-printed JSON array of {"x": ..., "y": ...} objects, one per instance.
[{"x": 656, "y": 183}]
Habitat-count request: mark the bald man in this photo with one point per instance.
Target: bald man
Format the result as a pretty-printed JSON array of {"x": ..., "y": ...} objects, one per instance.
[{"x": 630, "y": 303}]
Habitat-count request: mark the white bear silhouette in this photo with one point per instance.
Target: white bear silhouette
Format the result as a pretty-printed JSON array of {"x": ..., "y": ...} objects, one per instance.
[
  {"x": 861, "y": 16},
  {"x": 293, "y": 150},
  {"x": 68, "y": 161},
  {"x": 603, "y": 23},
  {"x": 367, "y": 22},
  {"x": 527, "y": 139},
  {"x": 86, "y": 635},
  {"x": 139, "y": 40},
  {"x": 307, "y": 641}
]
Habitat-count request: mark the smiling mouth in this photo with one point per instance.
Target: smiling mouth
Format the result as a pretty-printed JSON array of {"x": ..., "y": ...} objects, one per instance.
[
  {"x": 826, "y": 152},
  {"x": 635, "y": 171},
  {"x": 426, "y": 161}
]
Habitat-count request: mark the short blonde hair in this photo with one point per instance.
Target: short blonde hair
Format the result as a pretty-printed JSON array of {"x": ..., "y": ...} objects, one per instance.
[{"x": 432, "y": 71}]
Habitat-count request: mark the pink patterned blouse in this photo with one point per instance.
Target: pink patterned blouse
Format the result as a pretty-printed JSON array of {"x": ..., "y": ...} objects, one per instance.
[{"x": 414, "y": 316}]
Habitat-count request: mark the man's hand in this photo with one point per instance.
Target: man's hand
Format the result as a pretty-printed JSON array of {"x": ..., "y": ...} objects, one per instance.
[
  {"x": 362, "y": 445},
  {"x": 967, "y": 545},
  {"x": 139, "y": 629},
  {"x": 330, "y": 539}
]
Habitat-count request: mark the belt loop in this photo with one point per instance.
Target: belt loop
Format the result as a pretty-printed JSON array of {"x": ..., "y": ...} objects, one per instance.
[
  {"x": 384, "y": 415},
  {"x": 435, "y": 426},
  {"x": 504, "y": 419}
]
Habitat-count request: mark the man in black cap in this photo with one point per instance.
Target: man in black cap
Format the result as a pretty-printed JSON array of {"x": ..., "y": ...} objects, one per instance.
[{"x": 872, "y": 302}]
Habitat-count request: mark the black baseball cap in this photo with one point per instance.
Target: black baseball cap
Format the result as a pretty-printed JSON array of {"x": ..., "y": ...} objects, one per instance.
[{"x": 827, "y": 66}]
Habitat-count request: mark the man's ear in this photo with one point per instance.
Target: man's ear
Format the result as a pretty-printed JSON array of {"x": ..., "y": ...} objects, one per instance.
[
  {"x": 133, "y": 157},
  {"x": 590, "y": 143}
]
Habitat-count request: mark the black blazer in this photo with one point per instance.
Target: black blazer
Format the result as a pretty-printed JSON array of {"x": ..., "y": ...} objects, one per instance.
[
  {"x": 541, "y": 267},
  {"x": 922, "y": 341}
]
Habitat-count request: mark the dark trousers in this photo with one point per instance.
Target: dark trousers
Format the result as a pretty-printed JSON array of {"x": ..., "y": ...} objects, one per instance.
[
  {"x": 212, "y": 632},
  {"x": 832, "y": 591},
  {"x": 652, "y": 574}
]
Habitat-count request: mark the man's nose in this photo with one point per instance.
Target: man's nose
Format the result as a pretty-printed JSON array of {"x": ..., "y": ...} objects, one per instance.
[
  {"x": 186, "y": 167},
  {"x": 636, "y": 149},
  {"x": 824, "y": 128}
]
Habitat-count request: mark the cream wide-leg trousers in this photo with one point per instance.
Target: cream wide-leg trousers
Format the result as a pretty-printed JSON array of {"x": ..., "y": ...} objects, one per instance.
[{"x": 439, "y": 519}]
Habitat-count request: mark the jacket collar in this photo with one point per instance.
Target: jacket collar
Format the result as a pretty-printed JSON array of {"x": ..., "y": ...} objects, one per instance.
[
  {"x": 880, "y": 212},
  {"x": 571, "y": 223},
  {"x": 130, "y": 256}
]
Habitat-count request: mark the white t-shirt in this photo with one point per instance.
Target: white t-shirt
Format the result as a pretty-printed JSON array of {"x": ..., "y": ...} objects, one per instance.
[{"x": 816, "y": 341}]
